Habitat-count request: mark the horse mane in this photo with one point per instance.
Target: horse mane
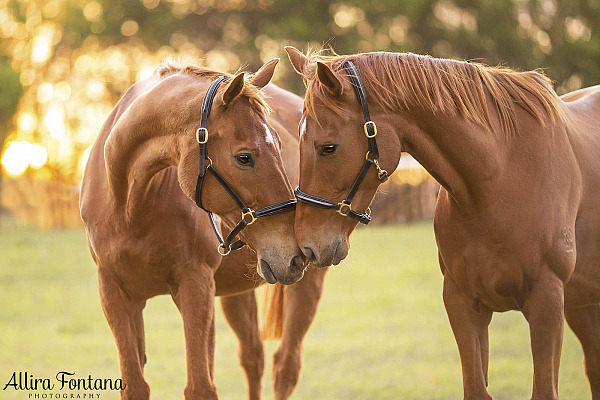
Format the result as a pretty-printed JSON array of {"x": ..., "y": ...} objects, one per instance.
[
  {"x": 173, "y": 66},
  {"x": 401, "y": 80}
]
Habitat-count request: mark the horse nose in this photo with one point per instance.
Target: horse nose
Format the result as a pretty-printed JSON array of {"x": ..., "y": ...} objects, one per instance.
[
  {"x": 296, "y": 270},
  {"x": 297, "y": 264},
  {"x": 310, "y": 254}
]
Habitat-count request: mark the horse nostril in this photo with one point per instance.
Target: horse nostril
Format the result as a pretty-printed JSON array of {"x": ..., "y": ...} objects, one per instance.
[
  {"x": 297, "y": 264},
  {"x": 310, "y": 254}
]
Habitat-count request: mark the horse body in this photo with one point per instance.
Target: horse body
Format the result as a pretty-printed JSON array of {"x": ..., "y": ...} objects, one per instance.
[
  {"x": 584, "y": 287},
  {"x": 522, "y": 226},
  {"x": 148, "y": 238},
  {"x": 128, "y": 259},
  {"x": 516, "y": 219}
]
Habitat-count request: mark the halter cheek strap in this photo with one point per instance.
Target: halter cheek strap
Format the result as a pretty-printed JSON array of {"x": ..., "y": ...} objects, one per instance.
[
  {"x": 206, "y": 165},
  {"x": 344, "y": 208}
]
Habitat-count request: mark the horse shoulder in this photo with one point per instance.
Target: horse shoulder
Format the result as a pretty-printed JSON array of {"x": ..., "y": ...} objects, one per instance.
[{"x": 494, "y": 259}]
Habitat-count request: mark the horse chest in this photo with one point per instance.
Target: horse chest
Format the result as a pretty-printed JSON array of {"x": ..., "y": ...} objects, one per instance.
[
  {"x": 485, "y": 276},
  {"x": 144, "y": 265},
  {"x": 489, "y": 272}
]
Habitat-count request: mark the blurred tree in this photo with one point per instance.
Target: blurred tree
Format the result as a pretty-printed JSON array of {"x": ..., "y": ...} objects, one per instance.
[
  {"x": 11, "y": 90},
  {"x": 562, "y": 36},
  {"x": 11, "y": 94}
]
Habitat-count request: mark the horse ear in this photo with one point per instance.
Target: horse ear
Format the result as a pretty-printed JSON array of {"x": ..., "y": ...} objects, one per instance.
[
  {"x": 264, "y": 75},
  {"x": 234, "y": 89},
  {"x": 329, "y": 79},
  {"x": 298, "y": 60}
]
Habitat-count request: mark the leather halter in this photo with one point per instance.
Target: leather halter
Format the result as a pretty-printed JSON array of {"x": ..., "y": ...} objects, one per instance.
[
  {"x": 371, "y": 158},
  {"x": 248, "y": 215}
]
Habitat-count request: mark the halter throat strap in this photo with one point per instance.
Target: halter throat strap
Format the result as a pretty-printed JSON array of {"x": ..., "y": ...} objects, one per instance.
[{"x": 205, "y": 165}]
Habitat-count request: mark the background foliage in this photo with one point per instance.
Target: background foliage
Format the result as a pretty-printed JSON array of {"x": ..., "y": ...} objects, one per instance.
[{"x": 74, "y": 58}]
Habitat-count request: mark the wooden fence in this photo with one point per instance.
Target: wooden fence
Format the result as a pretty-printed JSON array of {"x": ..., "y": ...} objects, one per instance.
[{"x": 409, "y": 195}]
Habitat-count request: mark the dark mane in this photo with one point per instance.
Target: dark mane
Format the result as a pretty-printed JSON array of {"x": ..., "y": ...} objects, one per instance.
[{"x": 401, "y": 80}]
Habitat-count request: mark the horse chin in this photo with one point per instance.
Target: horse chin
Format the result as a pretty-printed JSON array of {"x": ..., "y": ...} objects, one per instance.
[{"x": 340, "y": 252}]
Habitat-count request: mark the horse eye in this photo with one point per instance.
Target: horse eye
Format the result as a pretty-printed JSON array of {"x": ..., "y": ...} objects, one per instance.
[
  {"x": 245, "y": 160},
  {"x": 328, "y": 149}
]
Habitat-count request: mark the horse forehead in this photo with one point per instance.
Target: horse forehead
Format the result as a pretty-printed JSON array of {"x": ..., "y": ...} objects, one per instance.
[
  {"x": 269, "y": 136},
  {"x": 254, "y": 129},
  {"x": 321, "y": 126},
  {"x": 302, "y": 127}
]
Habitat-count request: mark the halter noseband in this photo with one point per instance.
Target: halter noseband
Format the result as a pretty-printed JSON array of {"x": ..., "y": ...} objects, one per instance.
[
  {"x": 248, "y": 215},
  {"x": 371, "y": 158}
]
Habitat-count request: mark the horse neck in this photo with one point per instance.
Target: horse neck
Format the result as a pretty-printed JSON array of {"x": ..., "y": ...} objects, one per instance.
[
  {"x": 141, "y": 144},
  {"x": 132, "y": 160},
  {"x": 462, "y": 156}
]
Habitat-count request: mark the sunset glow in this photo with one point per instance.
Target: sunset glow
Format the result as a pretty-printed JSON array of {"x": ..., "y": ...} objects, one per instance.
[{"x": 21, "y": 155}]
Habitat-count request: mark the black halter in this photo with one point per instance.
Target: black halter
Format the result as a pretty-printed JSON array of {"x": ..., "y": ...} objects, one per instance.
[
  {"x": 248, "y": 215},
  {"x": 345, "y": 207}
]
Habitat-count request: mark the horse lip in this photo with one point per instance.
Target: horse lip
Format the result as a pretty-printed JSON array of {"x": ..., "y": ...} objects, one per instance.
[
  {"x": 337, "y": 257},
  {"x": 267, "y": 272}
]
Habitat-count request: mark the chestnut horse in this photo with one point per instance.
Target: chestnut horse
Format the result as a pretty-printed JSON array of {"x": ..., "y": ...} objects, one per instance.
[
  {"x": 148, "y": 237},
  {"x": 516, "y": 223}
]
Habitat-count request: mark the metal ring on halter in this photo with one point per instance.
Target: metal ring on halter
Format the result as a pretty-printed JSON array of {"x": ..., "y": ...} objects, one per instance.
[
  {"x": 342, "y": 205},
  {"x": 209, "y": 161},
  {"x": 250, "y": 212},
  {"x": 367, "y": 131},
  {"x": 219, "y": 247},
  {"x": 205, "y": 131}
]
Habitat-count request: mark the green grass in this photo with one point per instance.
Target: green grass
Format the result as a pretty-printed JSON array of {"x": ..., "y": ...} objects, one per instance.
[{"x": 381, "y": 331}]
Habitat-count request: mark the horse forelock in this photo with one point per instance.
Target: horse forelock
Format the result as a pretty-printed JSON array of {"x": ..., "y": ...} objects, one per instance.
[
  {"x": 398, "y": 81},
  {"x": 187, "y": 67}
]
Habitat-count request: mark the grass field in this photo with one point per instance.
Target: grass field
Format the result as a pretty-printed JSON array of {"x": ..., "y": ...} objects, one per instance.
[{"x": 381, "y": 331}]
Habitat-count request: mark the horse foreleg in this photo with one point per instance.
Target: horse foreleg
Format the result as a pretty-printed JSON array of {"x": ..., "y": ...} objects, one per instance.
[
  {"x": 470, "y": 330},
  {"x": 585, "y": 322},
  {"x": 124, "y": 317},
  {"x": 544, "y": 312},
  {"x": 193, "y": 294},
  {"x": 299, "y": 307},
  {"x": 241, "y": 313}
]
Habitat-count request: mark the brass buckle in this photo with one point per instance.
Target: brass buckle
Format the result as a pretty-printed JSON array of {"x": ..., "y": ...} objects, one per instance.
[
  {"x": 251, "y": 214},
  {"x": 342, "y": 205},
  {"x": 205, "y": 131},
  {"x": 380, "y": 172},
  {"x": 226, "y": 251},
  {"x": 374, "y": 129}
]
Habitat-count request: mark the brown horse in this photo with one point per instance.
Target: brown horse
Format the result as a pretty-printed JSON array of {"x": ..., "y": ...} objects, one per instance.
[
  {"x": 148, "y": 238},
  {"x": 516, "y": 222}
]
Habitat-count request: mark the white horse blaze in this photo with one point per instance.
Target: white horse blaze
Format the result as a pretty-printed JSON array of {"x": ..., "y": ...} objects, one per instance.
[
  {"x": 303, "y": 128},
  {"x": 269, "y": 136}
]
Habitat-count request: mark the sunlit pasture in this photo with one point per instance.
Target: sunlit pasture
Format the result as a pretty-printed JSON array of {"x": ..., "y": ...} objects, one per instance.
[{"x": 381, "y": 331}]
